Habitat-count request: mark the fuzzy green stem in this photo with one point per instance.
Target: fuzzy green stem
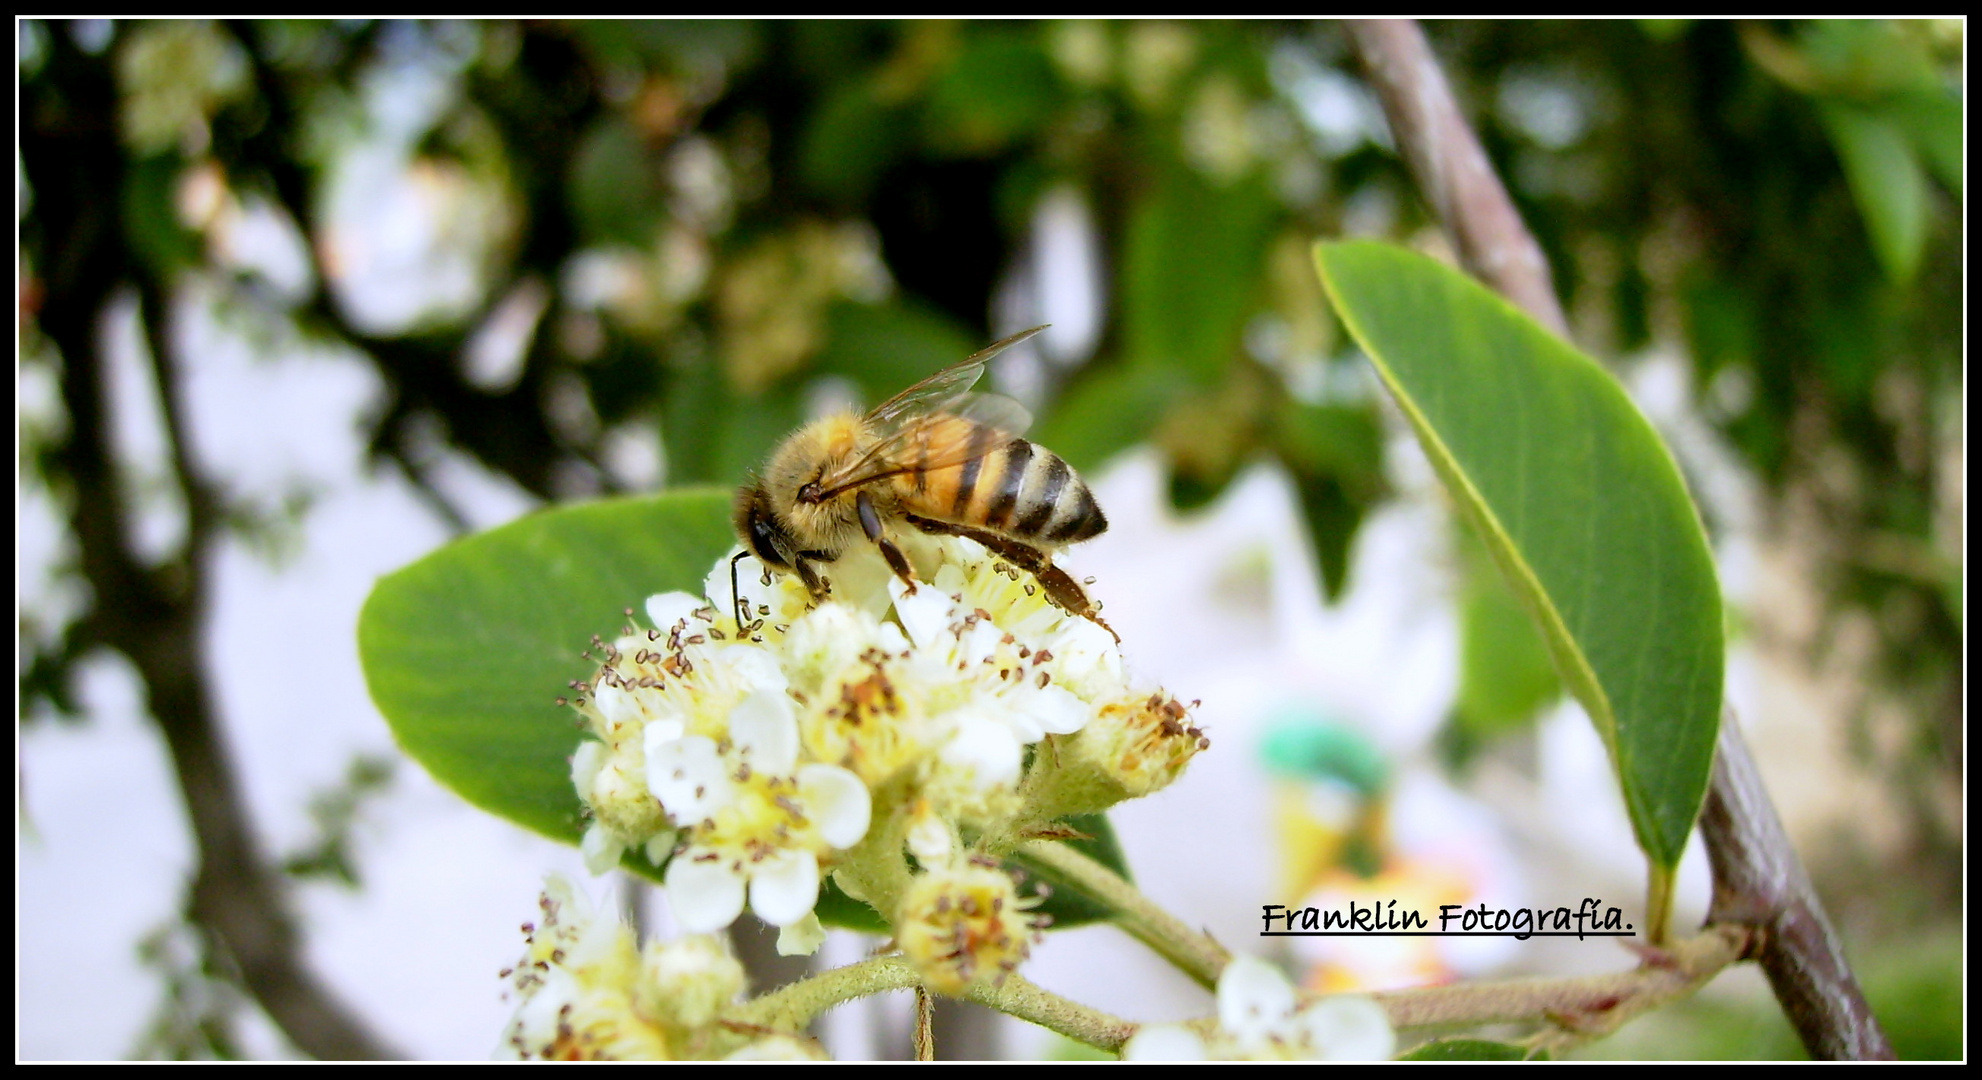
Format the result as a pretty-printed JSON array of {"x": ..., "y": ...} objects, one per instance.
[
  {"x": 1194, "y": 952},
  {"x": 1023, "y": 998},
  {"x": 876, "y": 868},
  {"x": 790, "y": 1008}
]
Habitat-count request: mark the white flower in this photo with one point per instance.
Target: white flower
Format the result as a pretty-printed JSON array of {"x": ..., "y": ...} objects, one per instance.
[
  {"x": 756, "y": 819},
  {"x": 1259, "y": 1019},
  {"x": 587, "y": 993},
  {"x": 753, "y": 754}
]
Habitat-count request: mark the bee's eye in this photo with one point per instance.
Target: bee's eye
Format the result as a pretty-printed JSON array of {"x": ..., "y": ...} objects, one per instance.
[{"x": 764, "y": 541}]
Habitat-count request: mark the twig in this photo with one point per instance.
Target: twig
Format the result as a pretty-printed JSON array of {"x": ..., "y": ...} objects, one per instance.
[
  {"x": 1758, "y": 881},
  {"x": 1757, "y": 878},
  {"x": 1580, "y": 1008},
  {"x": 1452, "y": 169},
  {"x": 925, "y": 1025},
  {"x": 154, "y": 614}
]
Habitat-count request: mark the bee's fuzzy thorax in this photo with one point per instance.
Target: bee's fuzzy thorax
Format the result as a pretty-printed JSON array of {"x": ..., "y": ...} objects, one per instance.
[{"x": 815, "y": 449}]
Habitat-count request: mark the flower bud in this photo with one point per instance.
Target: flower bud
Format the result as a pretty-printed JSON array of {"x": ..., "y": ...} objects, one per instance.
[
  {"x": 964, "y": 925},
  {"x": 687, "y": 983}
]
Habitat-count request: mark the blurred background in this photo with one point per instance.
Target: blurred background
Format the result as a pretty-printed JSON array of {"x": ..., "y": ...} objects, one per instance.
[{"x": 301, "y": 301}]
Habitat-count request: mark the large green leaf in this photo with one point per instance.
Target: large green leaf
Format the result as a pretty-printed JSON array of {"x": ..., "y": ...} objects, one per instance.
[
  {"x": 467, "y": 650},
  {"x": 1581, "y": 506}
]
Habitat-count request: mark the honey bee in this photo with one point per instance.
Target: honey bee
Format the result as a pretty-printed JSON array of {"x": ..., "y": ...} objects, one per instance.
[{"x": 934, "y": 457}]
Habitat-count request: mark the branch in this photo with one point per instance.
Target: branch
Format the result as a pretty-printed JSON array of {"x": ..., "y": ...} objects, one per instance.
[
  {"x": 1758, "y": 880},
  {"x": 1452, "y": 169},
  {"x": 1580, "y": 1008},
  {"x": 154, "y": 615}
]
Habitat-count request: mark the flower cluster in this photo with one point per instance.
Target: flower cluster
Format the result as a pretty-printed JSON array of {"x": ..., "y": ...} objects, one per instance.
[
  {"x": 894, "y": 739},
  {"x": 588, "y": 993},
  {"x": 1260, "y": 1019}
]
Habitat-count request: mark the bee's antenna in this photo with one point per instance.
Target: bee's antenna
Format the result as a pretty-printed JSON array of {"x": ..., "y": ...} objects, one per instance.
[{"x": 736, "y": 594}]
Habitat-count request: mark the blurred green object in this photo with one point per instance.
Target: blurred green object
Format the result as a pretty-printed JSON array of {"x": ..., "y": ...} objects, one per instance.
[{"x": 1303, "y": 743}]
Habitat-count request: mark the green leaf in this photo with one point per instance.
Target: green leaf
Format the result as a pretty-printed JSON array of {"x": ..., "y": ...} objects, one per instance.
[
  {"x": 849, "y": 141},
  {"x": 1107, "y": 410},
  {"x": 1932, "y": 119},
  {"x": 467, "y": 650},
  {"x": 999, "y": 89},
  {"x": 836, "y": 908},
  {"x": 1581, "y": 506},
  {"x": 1194, "y": 259},
  {"x": 616, "y": 187},
  {"x": 885, "y": 348},
  {"x": 1335, "y": 453},
  {"x": 1471, "y": 1050},
  {"x": 714, "y": 433},
  {"x": 1886, "y": 182},
  {"x": 1505, "y": 674},
  {"x": 152, "y": 218}
]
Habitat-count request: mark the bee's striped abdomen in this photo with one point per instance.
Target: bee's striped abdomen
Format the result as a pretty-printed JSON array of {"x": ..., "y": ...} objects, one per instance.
[{"x": 1009, "y": 486}]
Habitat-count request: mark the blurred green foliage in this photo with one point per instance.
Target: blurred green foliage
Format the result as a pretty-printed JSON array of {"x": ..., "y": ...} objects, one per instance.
[{"x": 731, "y": 222}]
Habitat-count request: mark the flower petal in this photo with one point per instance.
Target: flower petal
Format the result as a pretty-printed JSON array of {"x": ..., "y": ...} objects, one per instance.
[
  {"x": 601, "y": 849},
  {"x": 987, "y": 750},
  {"x": 616, "y": 705},
  {"x": 925, "y": 613},
  {"x": 689, "y": 778},
  {"x": 837, "y": 802},
  {"x": 586, "y": 763},
  {"x": 803, "y": 937},
  {"x": 1058, "y": 712},
  {"x": 1349, "y": 1028},
  {"x": 1254, "y": 999},
  {"x": 1164, "y": 1042},
  {"x": 705, "y": 895},
  {"x": 765, "y": 730},
  {"x": 716, "y": 585},
  {"x": 784, "y": 887},
  {"x": 664, "y": 610},
  {"x": 930, "y": 838},
  {"x": 754, "y": 667},
  {"x": 660, "y": 845}
]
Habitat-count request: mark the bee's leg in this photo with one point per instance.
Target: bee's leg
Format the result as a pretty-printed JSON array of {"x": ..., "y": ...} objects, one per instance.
[
  {"x": 870, "y": 523},
  {"x": 819, "y": 587},
  {"x": 738, "y": 606},
  {"x": 1061, "y": 588}
]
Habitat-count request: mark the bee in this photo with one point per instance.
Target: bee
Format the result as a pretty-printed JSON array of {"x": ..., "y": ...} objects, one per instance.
[{"x": 934, "y": 457}]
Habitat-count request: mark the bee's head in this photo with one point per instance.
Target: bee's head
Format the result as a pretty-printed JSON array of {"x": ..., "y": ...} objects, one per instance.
[{"x": 757, "y": 525}]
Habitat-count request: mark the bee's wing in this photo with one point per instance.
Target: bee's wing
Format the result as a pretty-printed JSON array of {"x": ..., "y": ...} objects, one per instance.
[
  {"x": 933, "y": 441},
  {"x": 992, "y": 411},
  {"x": 909, "y": 441},
  {"x": 939, "y": 392}
]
